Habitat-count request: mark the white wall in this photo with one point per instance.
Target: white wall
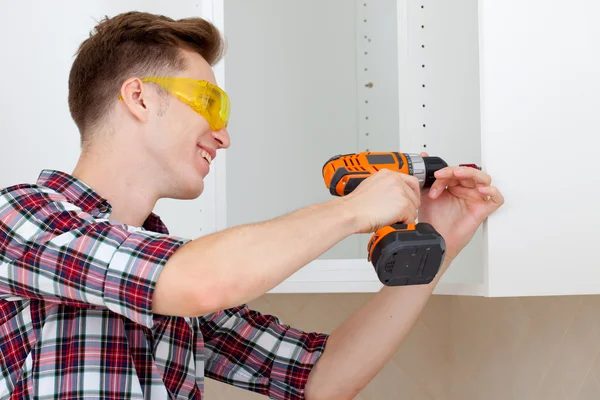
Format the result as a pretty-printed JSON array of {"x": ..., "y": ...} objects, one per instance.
[{"x": 38, "y": 41}]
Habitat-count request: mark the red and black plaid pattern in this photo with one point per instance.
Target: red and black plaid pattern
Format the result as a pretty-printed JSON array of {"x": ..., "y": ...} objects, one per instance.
[{"x": 76, "y": 315}]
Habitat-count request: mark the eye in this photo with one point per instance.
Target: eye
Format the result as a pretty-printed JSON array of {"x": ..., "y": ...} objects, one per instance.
[{"x": 212, "y": 104}]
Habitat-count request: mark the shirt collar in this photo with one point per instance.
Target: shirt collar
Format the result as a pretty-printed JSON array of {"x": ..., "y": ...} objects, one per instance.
[{"x": 86, "y": 198}]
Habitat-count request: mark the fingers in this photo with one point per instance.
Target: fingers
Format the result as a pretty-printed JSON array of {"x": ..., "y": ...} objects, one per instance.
[
  {"x": 489, "y": 195},
  {"x": 439, "y": 185},
  {"x": 410, "y": 217},
  {"x": 458, "y": 176},
  {"x": 468, "y": 183},
  {"x": 410, "y": 184},
  {"x": 492, "y": 194},
  {"x": 413, "y": 184},
  {"x": 412, "y": 190},
  {"x": 412, "y": 196},
  {"x": 409, "y": 195},
  {"x": 467, "y": 193},
  {"x": 464, "y": 173}
]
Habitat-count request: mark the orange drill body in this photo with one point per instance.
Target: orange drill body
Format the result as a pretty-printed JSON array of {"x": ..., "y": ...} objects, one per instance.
[
  {"x": 402, "y": 254},
  {"x": 354, "y": 168}
]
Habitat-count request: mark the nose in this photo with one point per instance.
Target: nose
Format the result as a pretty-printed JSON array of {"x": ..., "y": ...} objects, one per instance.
[{"x": 222, "y": 136}]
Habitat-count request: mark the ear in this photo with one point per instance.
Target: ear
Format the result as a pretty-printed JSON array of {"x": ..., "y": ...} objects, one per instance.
[{"x": 134, "y": 98}]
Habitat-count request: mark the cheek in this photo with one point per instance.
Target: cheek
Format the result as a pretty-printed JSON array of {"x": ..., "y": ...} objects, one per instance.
[
  {"x": 175, "y": 132},
  {"x": 179, "y": 131}
]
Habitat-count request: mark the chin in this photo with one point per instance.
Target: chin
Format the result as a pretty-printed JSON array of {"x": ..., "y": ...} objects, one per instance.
[
  {"x": 190, "y": 190},
  {"x": 194, "y": 193}
]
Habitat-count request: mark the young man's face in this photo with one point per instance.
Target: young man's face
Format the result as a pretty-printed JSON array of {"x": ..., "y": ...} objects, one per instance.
[{"x": 182, "y": 140}]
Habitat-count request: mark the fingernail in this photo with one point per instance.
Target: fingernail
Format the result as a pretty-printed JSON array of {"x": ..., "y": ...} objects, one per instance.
[{"x": 433, "y": 192}]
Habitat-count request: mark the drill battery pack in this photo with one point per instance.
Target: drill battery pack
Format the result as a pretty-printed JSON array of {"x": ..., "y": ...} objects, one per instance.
[{"x": 406, "y": 254}]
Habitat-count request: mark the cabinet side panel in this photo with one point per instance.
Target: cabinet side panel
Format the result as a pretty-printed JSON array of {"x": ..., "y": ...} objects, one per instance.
[
  {"x": 540, "y": 123},
  {"x": 440, "y": 101}
]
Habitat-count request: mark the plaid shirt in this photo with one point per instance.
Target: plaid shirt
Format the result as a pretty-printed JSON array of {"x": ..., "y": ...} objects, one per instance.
[{"x": 76, "y": 315}]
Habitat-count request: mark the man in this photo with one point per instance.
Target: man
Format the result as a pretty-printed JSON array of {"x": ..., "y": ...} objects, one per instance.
[{"x": 97, "y": 300}]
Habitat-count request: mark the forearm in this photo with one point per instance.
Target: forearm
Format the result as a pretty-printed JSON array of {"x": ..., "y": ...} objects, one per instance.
[
  {"x": 236, "y": 265},
  {"x": 359, "y": 348}
]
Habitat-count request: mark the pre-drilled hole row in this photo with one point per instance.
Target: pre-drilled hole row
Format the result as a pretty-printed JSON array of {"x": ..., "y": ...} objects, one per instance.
[{"x": 423, "y": 66}]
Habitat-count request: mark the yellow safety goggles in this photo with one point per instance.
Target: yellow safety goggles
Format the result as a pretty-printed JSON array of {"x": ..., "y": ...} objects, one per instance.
[{"x": 206, "y": 99}]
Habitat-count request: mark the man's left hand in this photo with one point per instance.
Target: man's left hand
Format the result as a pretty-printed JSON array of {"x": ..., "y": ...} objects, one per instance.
[{"x": 459, "y": 200}]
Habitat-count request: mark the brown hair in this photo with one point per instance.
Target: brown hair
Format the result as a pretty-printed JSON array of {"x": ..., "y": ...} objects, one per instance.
[{"x": 129, "y": 44}]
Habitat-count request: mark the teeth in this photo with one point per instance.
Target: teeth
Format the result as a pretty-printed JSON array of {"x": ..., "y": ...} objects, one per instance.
[{"x": 206, "y": 156}]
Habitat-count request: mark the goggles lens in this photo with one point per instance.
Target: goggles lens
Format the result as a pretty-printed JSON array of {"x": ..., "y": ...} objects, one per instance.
[{"x": 206, "y": 99}]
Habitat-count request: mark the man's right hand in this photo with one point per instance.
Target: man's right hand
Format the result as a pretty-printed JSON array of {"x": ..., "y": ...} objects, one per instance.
[{"x": 384, "y": 198}]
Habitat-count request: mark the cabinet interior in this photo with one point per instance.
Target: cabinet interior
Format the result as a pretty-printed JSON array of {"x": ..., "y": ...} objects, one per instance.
[{"x": 311, "y": 79}]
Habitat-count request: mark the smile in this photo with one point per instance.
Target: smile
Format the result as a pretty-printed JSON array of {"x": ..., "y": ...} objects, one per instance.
[{"x": 205, "y": 155}]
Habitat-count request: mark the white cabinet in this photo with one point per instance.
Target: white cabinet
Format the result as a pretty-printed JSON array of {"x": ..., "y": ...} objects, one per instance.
[
  {"x": 512, "y": 86},
  {"x": 539, "y": 64}
]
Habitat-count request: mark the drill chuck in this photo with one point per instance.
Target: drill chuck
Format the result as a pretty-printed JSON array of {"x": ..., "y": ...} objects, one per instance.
[
  {"x": 423, "y": 168},
  {"x": 432, "y": 164}
]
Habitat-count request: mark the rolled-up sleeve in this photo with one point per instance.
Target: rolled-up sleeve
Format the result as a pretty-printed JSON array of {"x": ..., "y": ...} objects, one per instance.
[
  {"x": 133, "y": 271},
  {"x": 257, "y": 352},
  {"x": 91, "y": 264}
]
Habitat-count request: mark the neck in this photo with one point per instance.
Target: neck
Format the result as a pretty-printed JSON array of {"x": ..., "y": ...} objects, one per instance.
[{"x": 119, "y": 179}]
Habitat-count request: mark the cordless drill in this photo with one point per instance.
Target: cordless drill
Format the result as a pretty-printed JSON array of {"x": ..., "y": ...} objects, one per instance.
[{"x": 402, "y": 254}]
